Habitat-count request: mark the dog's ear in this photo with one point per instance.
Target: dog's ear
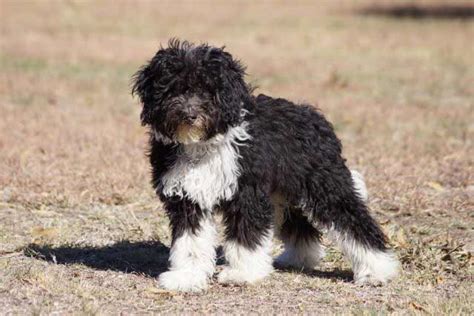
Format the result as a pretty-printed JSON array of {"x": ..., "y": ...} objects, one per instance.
[
  {"x": 234, "y": 93},
  {"x": 143, "y": 87},
  {"x": 151, "y": 81},
  {"x": 140, "y": 81}
]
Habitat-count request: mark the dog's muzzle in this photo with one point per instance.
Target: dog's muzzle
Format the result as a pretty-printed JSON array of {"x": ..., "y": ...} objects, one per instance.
[{"x": 190, "y": 132}]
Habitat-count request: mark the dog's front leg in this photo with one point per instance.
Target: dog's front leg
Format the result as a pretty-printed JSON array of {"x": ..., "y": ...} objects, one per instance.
[
  {"x": 192, "y": 254},
  {"x": 248, "y": 231}
]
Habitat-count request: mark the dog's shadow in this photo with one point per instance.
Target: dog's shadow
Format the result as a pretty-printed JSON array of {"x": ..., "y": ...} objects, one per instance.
[
  {"x": 148, "y": 258},
  {"x": 336, "y": 274}
]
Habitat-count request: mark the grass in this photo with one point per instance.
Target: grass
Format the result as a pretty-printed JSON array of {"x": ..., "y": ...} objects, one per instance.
[{"x": 81, "y": 231}]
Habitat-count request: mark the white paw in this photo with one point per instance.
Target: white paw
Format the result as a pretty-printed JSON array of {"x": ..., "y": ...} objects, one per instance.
[
  {"x": 376, "y": 268},
  {"x": 183, "y": 281},
  {"x": 306, "y": 257},
  {"x": 368, "y": 280},
  {"x": 288, "y": 259},
  {"x": 235, "y": 276}
]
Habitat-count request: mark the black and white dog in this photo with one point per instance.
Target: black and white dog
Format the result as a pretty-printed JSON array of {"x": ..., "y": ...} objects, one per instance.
[{"x": 267, "y": 165}]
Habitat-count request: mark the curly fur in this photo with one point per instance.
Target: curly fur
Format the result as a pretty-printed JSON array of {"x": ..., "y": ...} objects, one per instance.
[{"x": 215, "y": 147}]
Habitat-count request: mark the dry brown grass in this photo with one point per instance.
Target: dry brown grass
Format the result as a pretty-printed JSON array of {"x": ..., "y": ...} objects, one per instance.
[{"x": 80, "y": 229}]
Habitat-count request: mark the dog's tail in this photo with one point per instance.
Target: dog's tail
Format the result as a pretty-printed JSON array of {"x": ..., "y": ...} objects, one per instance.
[{"x": 359, "y": 185}]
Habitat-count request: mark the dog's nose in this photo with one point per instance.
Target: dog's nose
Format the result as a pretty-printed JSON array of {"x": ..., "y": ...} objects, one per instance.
[{"x": 191, "y": 115}]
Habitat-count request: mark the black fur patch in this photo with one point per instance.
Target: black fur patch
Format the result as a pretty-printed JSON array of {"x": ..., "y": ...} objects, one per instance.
[
  {"x": 296, "y": 227},
  {"x": 248, "y": 217}
]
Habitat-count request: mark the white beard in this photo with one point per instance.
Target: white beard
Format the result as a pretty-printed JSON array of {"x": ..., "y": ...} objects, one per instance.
[{"x": 207, "y": 172}]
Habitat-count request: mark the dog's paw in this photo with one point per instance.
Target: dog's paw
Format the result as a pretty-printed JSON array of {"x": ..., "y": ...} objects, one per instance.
[
  {"x": 372, "y": 280},
  {"x": 235, "y": 276},
  {"x": 183, "y": 281},
  {"x": 368, "y": 280},
  {"x": 303, "y": 258},
  {"x": 377, "y": 268},
  {"x": 287, "y": 260}
]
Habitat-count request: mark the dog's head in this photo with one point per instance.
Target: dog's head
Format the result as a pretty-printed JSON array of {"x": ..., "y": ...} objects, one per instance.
[{"x": 191, "y": 93}]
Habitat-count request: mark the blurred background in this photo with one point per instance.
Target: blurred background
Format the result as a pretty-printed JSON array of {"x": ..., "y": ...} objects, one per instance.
[{"x": 396, "y": 78}]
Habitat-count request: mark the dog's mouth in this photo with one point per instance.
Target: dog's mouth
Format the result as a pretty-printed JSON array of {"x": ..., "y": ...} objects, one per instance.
[{"x": 190, "y": 133}]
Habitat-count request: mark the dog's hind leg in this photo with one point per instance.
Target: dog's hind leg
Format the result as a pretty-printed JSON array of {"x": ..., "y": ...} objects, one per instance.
[
  {"x": 338, "y": 205},
  {"x": 248, "y": 237},
  {"x": 303, "y": 249},
  {"x": 360, "y": 241}
]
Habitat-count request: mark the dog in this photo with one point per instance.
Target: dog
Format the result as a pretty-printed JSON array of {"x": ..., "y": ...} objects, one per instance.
[{"x": 267, "y": 165}]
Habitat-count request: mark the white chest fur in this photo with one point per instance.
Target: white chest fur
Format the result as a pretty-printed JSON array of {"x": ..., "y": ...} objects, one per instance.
[{"x": 207, "y": 172}]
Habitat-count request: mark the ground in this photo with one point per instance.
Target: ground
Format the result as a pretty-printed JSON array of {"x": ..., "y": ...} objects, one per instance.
[{"x": 81, "y": 231}]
